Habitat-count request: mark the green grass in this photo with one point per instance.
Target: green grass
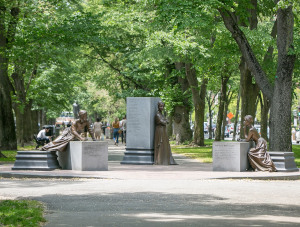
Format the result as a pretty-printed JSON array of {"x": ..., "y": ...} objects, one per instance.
[
  {"x": 296, "y": 150},
  {"x": 21, "y": 213},
  {"x": 204, "y": 154},
  {"x": 11, "y": 155}
]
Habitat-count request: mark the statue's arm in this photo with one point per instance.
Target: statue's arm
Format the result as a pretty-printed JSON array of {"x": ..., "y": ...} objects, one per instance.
[
  {"x": 75, "y": 133},
  {"x": 159, "y": 120}
]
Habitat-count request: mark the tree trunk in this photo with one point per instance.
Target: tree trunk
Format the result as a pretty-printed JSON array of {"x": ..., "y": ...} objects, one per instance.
[
  {"x": 182, "y": 130},
  {"x": 7, "y": 125},
  {"x": 170, "y": 126},
  {"x": 210, "y": 100},
  {"x": 34, "y": 122},
  {"x": 265, "y": 107},
  {"x": 222, "y": 101},
  {"x": 249, "y": 93},
  {"x": 236, "y": 119},
  {"x": 198, "y": 95},
  {"x": 280, "y": 94}
]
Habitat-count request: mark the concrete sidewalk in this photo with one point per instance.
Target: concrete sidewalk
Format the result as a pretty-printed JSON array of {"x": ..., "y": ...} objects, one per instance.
[{"x": 188, "y": 169}]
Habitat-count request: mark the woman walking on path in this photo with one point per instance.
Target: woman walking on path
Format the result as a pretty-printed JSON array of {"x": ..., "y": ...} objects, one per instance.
[{"x": 116, "y": 128}]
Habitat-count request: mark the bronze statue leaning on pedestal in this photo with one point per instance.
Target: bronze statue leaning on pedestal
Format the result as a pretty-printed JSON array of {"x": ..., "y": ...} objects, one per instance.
[
  {"x": 71, "y": 133},
  {"x": 258, "y": 157},
  {"x": 162, "y": 149}
]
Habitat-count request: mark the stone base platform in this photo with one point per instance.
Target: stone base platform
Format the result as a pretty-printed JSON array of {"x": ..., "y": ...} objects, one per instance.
[
  {"x": 138, "y": 157},
  {"x": 36, "y": 160},
  {"x": 85, "y": 156},
  {"x": 284, "y": 161}
]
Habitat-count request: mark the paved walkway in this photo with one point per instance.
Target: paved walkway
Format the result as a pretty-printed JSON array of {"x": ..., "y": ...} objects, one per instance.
[
  {"x": 188, "y": 194},
  {"x": 188, "y": 169}
]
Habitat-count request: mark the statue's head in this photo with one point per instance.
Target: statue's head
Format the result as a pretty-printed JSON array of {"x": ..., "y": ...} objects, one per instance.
[
  {"x": 82, "y": 114},
  {"x": 249, "y": 119},
  {"x": 160, "y": 105}
]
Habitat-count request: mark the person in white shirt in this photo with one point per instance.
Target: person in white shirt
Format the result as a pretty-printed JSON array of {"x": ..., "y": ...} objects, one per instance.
[{"x": 42, "y": 135}]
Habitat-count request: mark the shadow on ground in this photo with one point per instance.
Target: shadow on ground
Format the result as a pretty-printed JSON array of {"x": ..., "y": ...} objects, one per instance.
[{"x": 162, "y": 209}]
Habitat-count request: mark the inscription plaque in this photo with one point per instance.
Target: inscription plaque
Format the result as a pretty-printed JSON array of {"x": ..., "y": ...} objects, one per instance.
[{"x": 230, "y": 156}]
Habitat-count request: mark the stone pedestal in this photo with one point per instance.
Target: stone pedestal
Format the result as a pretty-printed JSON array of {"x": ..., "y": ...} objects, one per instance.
[
  {"x": 284, "y": 161},
  {"x": 85, "y": 156},
  {"x": 230, "y": 156},
  {"x": 36, "y": 160},
  {"x": 140, "y": 130}
]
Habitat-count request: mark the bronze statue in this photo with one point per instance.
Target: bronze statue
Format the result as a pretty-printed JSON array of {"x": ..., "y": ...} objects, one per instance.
[
  {"x": 162, "y": 149},
  {"x": 71, "y": 133},
  {"x": 258, "y": 157}
]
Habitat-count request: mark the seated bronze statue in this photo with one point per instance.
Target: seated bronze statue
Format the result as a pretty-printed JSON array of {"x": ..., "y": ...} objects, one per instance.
[
  {"x": 258, "y": 157},
  {"x": 71, "y": 133}
]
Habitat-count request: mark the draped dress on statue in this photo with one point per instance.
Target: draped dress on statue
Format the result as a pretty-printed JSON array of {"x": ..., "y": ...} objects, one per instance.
[
  {"x": 259, "y": 158},
  {"x": 69, "y": 134},
  {"x": 162, "y": 149}
]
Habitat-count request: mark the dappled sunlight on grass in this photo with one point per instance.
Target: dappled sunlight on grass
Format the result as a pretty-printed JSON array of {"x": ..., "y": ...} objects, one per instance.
[{"x": 203, "y": 154}]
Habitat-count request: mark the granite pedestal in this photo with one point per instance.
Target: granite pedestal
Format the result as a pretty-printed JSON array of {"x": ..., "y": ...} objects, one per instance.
[
  {"x": 36, "y": 160},
  {"x": 284, "y": 161},
  {"x": 231, "y": 156},
  {"x": 140, "y": 128},
  {"x": 85, "y": 156}
]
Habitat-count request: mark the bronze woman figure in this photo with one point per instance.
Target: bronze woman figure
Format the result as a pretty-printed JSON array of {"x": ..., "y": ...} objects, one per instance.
[
  {"x": 162, "y": 149},
  {"x": 71, "y": 133},
  {"x": 258, "y": 157}
]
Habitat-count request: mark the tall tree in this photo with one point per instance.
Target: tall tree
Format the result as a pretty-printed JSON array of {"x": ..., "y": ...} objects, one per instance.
[
  {"x": 8, "y": 25},
  {"x": 279, "y": 94}
]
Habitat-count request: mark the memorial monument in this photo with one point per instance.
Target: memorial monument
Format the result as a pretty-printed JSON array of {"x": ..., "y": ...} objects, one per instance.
[{"x": 140, "y": 130}]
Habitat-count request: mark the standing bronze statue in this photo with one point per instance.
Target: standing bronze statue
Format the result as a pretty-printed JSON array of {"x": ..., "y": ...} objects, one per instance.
[
  {"x": 162, "y": 149},
  {"x": 71, "y": 133},
  {"x": 258, "y": 157}
]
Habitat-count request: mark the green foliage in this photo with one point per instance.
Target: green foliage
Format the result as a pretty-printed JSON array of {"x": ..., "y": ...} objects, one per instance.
[{"x": 21, "y": 213}]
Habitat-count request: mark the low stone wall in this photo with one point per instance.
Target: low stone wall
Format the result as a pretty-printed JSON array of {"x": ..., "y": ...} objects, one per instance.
[{"x": 85, "y": 156}]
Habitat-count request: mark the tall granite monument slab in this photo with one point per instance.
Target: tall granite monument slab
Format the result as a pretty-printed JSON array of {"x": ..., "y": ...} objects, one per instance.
[
  {"x": 85, "y": 156},
  {"x": 140, "y": 130},
  {"x": 231, "y": 156}
]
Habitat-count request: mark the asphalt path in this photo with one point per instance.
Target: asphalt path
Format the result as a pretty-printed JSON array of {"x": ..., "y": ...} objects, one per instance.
[
  {"x": 180, "y": 195},
  {"x": 113, "y": 202}
]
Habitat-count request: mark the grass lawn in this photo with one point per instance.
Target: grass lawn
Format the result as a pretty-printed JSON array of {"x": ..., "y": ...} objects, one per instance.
[
  {"x": 204, "y": 154},
  {"x": 21, "y": 213},
  {"x": 11, "y": 155}
]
